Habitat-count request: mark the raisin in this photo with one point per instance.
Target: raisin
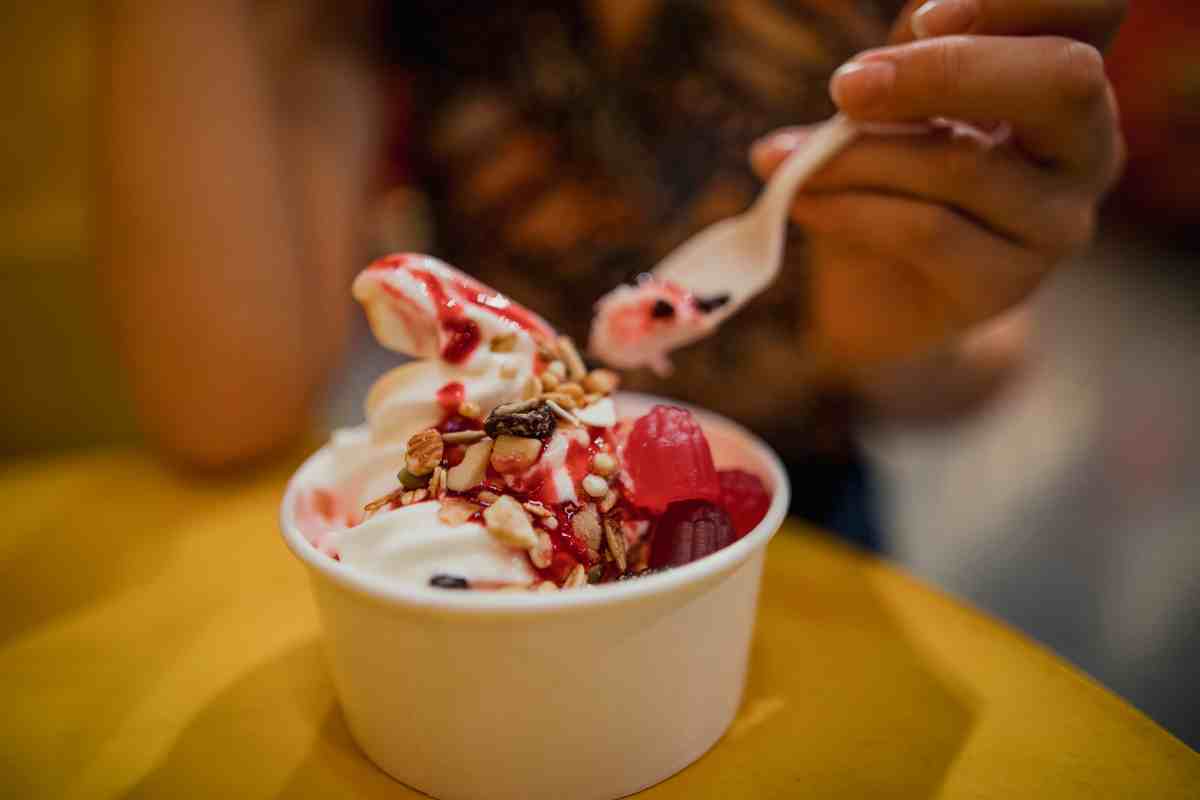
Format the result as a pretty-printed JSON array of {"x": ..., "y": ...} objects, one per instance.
[
  {"x": 531, "y": 419},
  {"x": 449, "y": 582}
]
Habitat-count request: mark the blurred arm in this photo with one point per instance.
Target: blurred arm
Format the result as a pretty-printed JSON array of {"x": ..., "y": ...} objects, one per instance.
[{"x": 239, "y": 146}]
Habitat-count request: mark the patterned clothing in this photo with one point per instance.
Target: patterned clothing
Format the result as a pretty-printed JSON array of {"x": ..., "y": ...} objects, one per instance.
[{"x": 557, "y": 169}]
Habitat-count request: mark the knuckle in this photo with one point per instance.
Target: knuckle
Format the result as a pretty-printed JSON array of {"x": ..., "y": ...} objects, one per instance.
[
  {"x": 1082, "y": 72},
  {"x": 951, "y": 59}
]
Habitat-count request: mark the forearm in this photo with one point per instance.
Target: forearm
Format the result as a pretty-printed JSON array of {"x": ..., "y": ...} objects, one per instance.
[{"x": 230, "y": 311}]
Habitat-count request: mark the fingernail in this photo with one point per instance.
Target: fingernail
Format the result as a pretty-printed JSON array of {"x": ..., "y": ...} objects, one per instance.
[
  {"x": 944, "y": 18},
  {"x": 861, "y": 84},
  {"x": 781, "y": 141}
]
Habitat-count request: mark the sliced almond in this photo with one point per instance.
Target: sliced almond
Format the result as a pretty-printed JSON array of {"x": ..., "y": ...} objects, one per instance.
[
  {"x": 562, "y": 413},
  {"x": 471, "y": 471},
  {"x": 508, "y": 522},
  {"x": 586, "y": 525},
  {"x": 577, "y": 578},
  {"x": 424, "y": 452},
  {"x": 576, "y": 370},
  {"x": 600, "y": 414},
  {"x": 456, "y": 511},
  {"x": 602, "y": 381},
  {"x": 487, "y": 498},
  {"x": 463, "y": 437},
  {"x": 437, "y": 482},
  {"x": 614, "y": 539},
  {"x": 609, "y": 501},
  {"x": 511, "y": 454},
  {"x": 541, "y": 554},
  {"x": 537, "y": 509},
  {"x": 562, "y": 398}
]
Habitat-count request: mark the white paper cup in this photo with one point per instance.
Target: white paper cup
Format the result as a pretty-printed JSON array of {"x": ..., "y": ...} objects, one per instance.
[{"x": 589, "y": 694}]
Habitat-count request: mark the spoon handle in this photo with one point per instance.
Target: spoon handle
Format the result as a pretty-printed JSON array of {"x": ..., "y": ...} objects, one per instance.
[{"x": 826, "y": 142}]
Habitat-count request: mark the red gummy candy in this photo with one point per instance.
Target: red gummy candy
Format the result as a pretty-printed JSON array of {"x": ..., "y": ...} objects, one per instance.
[
  {"x": 688, "y": 531},
  {"x": 745, "y": 498},
  {"x": 668, "y": 459}
]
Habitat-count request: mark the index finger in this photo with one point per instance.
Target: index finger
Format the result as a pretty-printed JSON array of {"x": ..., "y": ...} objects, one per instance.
[
  {"x": 1047, "y": 87},
  {"x": 1091, "y": 21}
]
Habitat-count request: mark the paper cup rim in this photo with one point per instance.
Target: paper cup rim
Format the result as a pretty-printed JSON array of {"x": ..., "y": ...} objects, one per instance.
[{"x": 421, "y": 597}]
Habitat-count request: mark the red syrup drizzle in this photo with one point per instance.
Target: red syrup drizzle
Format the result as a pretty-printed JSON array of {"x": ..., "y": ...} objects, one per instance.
[{"x": 463, "y": 334}]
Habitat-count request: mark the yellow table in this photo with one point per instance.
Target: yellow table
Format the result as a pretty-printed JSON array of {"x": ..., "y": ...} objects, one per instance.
[{"x": 157, "y": 640}]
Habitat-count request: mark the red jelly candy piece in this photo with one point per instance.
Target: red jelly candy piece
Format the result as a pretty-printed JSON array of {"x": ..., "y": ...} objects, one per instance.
[
  {"x": 745, "y": 498},
  {"x": 688, "y": 531},
  {"x": 668, "y": 459}
]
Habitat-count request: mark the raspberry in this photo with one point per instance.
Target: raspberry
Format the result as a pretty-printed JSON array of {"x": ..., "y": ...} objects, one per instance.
[
  {"x": 668, "y": 460},
  {"x": 745, "y": 498},
  {"x": 688, "y": 531}
]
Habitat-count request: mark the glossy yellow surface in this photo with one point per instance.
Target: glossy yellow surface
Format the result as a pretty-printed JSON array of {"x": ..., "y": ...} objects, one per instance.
[{"x": 158, "y": 640}]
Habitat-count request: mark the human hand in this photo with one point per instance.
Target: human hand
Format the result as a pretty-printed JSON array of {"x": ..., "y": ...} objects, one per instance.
[{"x": 915, "y": 240}]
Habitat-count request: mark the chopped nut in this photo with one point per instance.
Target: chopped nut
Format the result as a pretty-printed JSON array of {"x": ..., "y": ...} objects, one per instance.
[
  {"x": 508, "y": 522},
  {"x": 586, "y": 525},
  {"x": 456, "y": 511},
  {"x": 594, "y": 485},
  {"x": 576, "y": 370},
  {"x": 600, "y": 414},
  {"x": 463, "y": 437},
  {"x": 546, "y": 586},
  {"x": 562, "y": 412},
  {"x": 604, "y": 464},
  {"x": 537, "y": 509},
  {"x": 509, "y": 371},
  {"x": 551, "y": 523},
  {"x": 487, "y": 497},
  {"x": 410, "y": 481},
  {"x": 541, "y": 554},
  {"x": 504, "y": 343},
  {"x": 532, "y": 419},
  {"x": 549, "y": 381},
  {"x": 614, "y": 538},
  {"x": 415, "y": 496},
  {"x": 515, "y": 453},
  {"x": 574, "y": 390},
  {"x": 577, "y": 578},
  {"x": 561, "y": 398},
  {"x": 469, "y": 410},
  {"x": 471, "y": 470},
  {"x": 532, "y": 388},
  {"x": 610, "y": 500},
  {"x": 602, "y": 381},
  {"x": 424, "y": 452},
  {"x": 437, "y": 482},
  {"x": 380, "y": 502}
]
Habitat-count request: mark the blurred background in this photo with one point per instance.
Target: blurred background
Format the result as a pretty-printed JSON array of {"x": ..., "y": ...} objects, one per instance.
[{"x": 1063, "y": 499}]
